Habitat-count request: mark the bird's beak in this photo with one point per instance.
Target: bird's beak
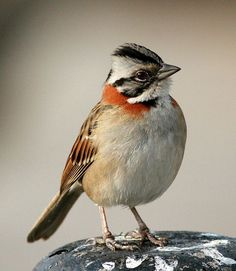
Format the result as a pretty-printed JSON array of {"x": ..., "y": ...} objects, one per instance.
[{"x": 166, "y": 71}]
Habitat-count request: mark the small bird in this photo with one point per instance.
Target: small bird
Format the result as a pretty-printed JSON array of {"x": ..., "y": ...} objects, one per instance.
[{"x": 129, "y": 149}]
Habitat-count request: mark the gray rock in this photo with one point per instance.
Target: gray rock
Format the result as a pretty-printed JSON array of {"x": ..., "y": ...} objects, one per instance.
[{"x": 185, "y": 251}]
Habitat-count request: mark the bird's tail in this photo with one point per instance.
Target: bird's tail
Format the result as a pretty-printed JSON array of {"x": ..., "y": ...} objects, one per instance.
[{"x": 55, "y": 213}]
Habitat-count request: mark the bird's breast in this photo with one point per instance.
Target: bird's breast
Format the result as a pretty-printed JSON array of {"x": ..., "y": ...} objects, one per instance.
[{"x": 137, "y": 159}]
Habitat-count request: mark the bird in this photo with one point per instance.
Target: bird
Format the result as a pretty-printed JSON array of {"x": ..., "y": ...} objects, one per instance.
[{"x": 129, "y": 149}]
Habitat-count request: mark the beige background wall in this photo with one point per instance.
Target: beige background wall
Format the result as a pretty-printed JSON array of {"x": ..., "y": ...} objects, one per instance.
[{"x": 54, "y": 57}]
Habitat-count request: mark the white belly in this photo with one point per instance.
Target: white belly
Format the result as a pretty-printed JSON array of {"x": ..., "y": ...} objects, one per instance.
[{"x": 144, "y": 158}]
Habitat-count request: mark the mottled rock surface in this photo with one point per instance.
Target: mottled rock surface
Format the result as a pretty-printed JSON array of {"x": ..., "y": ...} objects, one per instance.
[{"x": 185, "y": 251}]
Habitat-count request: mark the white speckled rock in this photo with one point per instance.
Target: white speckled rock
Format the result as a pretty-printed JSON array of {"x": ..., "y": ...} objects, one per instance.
[{"x": 185, "y": 251}]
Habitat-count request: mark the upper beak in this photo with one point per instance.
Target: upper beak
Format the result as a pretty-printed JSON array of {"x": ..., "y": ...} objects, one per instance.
[{"x": 167, "y": 70}]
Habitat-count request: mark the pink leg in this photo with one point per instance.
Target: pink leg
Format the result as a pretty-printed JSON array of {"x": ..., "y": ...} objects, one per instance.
[
  {"x": 145, "y": 232},
  {"x": 108, "y": 237}
]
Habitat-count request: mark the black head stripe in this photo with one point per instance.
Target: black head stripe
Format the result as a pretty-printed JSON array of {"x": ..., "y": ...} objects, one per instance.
[
  {"x": 131, "y": 91},
  {"x": 120, "y": 82},
  {"x": 109, "y": 75},
  {"x": 132, "y": 50}
]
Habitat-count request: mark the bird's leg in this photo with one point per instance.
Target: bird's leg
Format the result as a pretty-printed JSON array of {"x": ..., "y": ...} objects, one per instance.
[
  {"x": 145, "y": 232},
  {"x": 108, "y": 238}
]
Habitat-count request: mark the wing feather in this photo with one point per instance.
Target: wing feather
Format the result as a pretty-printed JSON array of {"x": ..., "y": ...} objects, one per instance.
[{"x": 83, "y": 151}]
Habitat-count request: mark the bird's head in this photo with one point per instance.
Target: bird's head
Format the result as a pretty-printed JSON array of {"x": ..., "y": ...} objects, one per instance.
[{"x": 139, "y": 73}]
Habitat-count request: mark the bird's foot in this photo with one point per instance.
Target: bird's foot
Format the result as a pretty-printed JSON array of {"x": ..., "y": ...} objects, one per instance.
[
  {"x": 144, "y": 234},
  {"x": 134, "y": 235},
  {"x": 112, "y": 244},
  {"x": 158, "y": 241}
]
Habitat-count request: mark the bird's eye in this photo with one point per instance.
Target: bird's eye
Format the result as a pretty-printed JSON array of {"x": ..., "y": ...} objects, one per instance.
[{"x": 142, "y": 76}]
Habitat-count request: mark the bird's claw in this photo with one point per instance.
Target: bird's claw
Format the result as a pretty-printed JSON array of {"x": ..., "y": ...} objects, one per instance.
[
  {"x": 145, "y": 234},
  {"x": 112, "y": 244},
  {"x": 158, "y": 241}
]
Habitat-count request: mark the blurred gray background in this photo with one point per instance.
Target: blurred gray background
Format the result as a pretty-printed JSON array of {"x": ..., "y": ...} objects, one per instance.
[{"x": 54, "y": 58}]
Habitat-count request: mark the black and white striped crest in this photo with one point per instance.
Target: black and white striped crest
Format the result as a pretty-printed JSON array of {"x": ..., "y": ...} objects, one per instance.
[{"x": 137, "y": 52}]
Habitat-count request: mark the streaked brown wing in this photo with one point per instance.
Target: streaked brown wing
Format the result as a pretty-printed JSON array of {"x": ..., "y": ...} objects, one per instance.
[{"x": 83, "y": 151}]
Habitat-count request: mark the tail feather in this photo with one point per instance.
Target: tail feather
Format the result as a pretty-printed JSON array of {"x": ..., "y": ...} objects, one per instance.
[{"x": 55, "y": 213}]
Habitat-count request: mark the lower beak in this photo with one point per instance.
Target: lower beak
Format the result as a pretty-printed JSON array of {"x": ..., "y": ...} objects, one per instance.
[{"x": 167, "y": 70}]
